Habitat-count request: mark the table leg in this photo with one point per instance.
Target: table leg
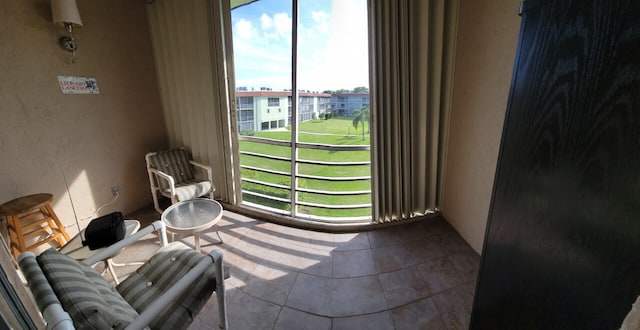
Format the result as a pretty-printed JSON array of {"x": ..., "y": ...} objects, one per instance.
[
  {"x": 196, "y": 238},
  {"x": 109, "y": 265}
]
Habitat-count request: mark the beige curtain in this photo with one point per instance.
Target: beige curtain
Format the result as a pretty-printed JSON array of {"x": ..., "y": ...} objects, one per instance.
[
  {"x": 190, "y": 54},
  {"x": 412, "y": 50}
]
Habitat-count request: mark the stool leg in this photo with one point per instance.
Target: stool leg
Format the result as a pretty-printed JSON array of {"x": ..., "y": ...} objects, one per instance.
[
  {"x": 15, "y": 236},
  {"x": 55, "y": 232},
  {"x": 49, "y": 210}
]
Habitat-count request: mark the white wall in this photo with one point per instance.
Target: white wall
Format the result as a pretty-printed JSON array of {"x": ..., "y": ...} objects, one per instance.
[
  {"x": 486, "y": 44},
  {"x": 100, "y": 139}
]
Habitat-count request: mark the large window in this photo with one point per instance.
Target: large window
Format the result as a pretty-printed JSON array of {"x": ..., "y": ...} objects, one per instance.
[
  {"x": 308, "y": 51},
  {"x": 274, "y": 102},
  {"x": 316, "y": 49},
  {"x": 245, "y": 113}
]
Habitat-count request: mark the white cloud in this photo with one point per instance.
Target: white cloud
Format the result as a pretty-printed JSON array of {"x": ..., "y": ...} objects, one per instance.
[
  {"x": 347, "y": 48},
  {"x": 283, "y": 25},
  {"x": 266, "y": 21},
  {"x": 244, "y": 29},
  {"x": 320, "y": 18},
  {"x": 276, "y": 27},
  {"x": 332, "y": 47}
]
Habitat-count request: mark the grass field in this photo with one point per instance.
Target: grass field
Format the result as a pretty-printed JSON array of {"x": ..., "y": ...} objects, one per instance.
[{"x": 335, "y": 131}]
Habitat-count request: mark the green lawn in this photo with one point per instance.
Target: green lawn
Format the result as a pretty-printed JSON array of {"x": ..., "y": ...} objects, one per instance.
[
  {"x": 339, "y": 125},
  {"x": 335, "y": 131},
  {"x": 334, "y": 156}
]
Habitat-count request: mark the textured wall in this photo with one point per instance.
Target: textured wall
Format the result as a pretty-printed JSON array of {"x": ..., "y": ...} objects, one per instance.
[
  {"x": 100, "y": 139},
  {"x": 193, "y": 83},
  {"x": 486, "y": 45}
]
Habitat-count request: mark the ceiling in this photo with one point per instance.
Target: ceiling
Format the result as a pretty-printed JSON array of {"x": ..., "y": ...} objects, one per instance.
[{"x": 238, "y": 3}]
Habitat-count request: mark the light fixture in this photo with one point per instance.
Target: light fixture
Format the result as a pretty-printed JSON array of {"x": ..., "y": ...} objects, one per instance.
[{"x": 65, "y": 13}]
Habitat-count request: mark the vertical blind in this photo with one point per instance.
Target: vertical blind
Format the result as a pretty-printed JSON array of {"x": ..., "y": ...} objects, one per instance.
[
  {"x": 412, "y": 44},
  {"x": 189, "y": 49}
]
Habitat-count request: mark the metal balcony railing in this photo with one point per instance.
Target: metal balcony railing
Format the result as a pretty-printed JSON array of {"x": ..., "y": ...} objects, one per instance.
[{"x": 296, "y": 196}]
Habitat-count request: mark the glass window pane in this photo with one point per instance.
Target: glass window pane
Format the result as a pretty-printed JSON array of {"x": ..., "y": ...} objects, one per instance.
[{"x": 332, "y": 100}]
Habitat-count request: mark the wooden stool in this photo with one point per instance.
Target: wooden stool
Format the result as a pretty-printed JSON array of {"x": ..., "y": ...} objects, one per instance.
[{"x": 31, "y": 215}]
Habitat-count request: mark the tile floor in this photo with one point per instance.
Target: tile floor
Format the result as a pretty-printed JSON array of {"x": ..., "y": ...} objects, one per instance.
[{"x": 414, "y": 276}]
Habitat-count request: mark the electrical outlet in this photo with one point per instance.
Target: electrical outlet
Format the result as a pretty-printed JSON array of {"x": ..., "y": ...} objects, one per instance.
[{"x": 115, "y": 191}]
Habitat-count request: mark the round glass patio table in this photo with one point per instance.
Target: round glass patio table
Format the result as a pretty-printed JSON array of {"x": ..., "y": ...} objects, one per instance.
[
  {"x": 76, "y": 250},
  {"x": 193, "y": 216}
]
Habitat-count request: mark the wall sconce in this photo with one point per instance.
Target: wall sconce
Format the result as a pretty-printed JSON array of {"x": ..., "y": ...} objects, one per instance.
[{"x": 65, "y": 13}]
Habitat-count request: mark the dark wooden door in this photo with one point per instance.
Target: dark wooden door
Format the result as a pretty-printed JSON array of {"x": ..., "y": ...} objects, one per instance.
[{"x": 562, "y": 247}]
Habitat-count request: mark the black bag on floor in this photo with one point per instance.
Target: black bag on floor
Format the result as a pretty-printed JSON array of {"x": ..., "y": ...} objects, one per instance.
[{"x": 104, "y": 231}]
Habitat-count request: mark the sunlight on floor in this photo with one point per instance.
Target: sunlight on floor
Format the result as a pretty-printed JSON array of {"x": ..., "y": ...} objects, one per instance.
[{"x": 419, "y": 275}]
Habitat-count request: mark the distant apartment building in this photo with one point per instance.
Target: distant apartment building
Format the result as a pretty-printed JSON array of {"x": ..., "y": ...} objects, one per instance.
[
  {"x": 345, "y": 103},
  {"x": 267, "y": 109}
]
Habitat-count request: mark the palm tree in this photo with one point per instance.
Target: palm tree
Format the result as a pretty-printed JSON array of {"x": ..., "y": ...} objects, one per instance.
[{"x": 361, "y": 115}]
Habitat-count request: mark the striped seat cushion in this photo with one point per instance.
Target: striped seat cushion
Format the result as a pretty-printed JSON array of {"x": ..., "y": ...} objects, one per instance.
[
  {"x": 90, "y": 301},
  {"x": 40, "y": 287},
  {"x": 165, "y": 268},
  {"x": 174, "y": 162},
  {"x": 191, "y": 190}
]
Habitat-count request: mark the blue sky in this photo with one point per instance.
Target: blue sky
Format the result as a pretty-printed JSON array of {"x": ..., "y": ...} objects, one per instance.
[{"x": 332, "y": 43}]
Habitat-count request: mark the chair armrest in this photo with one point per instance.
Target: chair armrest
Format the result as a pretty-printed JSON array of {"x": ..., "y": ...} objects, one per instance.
[
  {"x": 204, "y": 167},
  {"x": 183, "y": 284},
  {"x": 53, "y": 314},
  {"x": 57, "y": 318},
  {"x": 114, "y": 249},
  {"x": 162, "y": 175}
]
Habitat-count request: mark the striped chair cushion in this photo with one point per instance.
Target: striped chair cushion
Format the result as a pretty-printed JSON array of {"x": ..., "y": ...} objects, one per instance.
[
  {"x": 40, "y": 287},
  {"x": 90, "y": 301},
  {"x": 164, "y": 269},
  {"x": 174, "y": 162},
  {"x": 192, "y": 189}
]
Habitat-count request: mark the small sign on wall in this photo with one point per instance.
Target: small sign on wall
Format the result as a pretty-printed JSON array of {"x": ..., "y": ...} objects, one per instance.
[{"x": 78, "y": 85}]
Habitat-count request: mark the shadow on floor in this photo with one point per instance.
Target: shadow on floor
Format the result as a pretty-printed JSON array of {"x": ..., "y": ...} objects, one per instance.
[{"x": 414, "y": 276}]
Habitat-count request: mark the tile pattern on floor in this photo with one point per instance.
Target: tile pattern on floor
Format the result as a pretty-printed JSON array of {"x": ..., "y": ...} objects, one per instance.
[{"x": 413, "y": 276}]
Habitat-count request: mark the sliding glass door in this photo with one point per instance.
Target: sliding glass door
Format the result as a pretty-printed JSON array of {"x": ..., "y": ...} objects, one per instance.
[{"x": 302, "y": 108}]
